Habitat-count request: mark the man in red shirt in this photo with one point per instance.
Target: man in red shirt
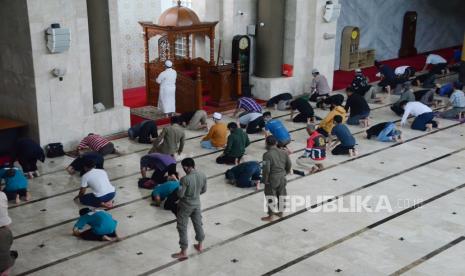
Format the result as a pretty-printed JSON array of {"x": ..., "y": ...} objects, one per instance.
[
  {"x": 315, "y": 152},
  {"x": 97, "y": 143}
]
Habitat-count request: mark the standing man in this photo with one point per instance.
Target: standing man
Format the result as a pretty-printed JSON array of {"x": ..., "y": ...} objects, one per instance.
[
  {"x": 193, "y": 184},
  {"x": 276, "y": 165},
  {"x": 171, "y": 139},
  {"x": 320, "y": 86},
  {"x": 167, "y": 96}
]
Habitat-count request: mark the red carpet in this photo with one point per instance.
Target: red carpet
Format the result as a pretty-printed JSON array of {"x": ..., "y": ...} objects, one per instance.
[{"x": 342, "y": 79}]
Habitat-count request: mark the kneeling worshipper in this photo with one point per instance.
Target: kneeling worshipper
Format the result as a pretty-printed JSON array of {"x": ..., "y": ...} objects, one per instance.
[
  {"x": 424, "y": 116},
  {"x": 217, "y": 135},
  {"x": 346, "y": 144},
  {"x": 315, "y": 152},
  {"x": 276, "y": 128},
  {"x": 326, "y": 125},
  {"x": 245, "y": 175},
  {"x": 101, "y": 223},
  {"x": 171, "y": 139},
  {"x": 306, "y": 112},
  {"x": 252, "y": 122},
  {"x": 385, "y": 132},
  {"x": 96, "y": 143},
  {"x": 358, "y": 109},
  {"x": 145, "y": 131},
  {"x": 163, "y": 165},
  {"x": 28, "y": 152},
  {"x": 15, "y": 184},
  {"x": 194, "y": 120},
  {"x": 78, "y": 164},
  {"x": 235, "y": 147},
  {"x": 161, "y": 192}
]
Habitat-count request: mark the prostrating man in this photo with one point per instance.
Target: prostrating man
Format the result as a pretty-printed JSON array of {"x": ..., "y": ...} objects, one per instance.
[
  {"x": 385, "y": 132},
  {"x": 145, "y": 131},
  {"x": 193, "y": 184},
  {"x": 247, "y": 105},
  {"x": 326, "y": 125},
  {"x": 358, "y": 109},
  {"x": 388, "y": 77},
  {"x": 217, "y": 135},
  {"x": 7, "y": 256},
  {"x": 425, "y": 96},
  {"x": 253, "y": 122},
  {"x": 406, "y": 95},
  {"x": 235, "y": 148},
  {"x": 336, "y": 99},
  {"x": 438, "y": 64},
  {"x": 346, "y": 139},
  {"x": 276, "y": 128},
  {"x": 163, "y": 165},
  {"x": 102, "y": 191},
  {"x": 306, "y": 112},
  {"x": 96, "y": 143},
  {"x": 102, "y": 226},
  {"x": 424, "y": 116},
  {"x": 315, "y": 152},
  {"x": 276, "y": 165},
  {"x": 78, "y": 164},
  {"x": 15, "y": 184},
  {"x": 171, "y": 139},
  {"x": 194, "y": 120},
  {"x": 167, "y": 82},
  {"x": 320, "y": 87},
  {"x": 161, "y": 192},
  {"x": 273, "y": 102},
  {"x": 245, "y": 175},
  {"x": 28, "y": 152},
  {"x": 457, "y": 101},
  {"x": 405, "y": 72}
]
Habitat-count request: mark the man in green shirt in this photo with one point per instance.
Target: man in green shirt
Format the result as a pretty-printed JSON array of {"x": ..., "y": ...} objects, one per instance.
[
  {"x": 276, "y": 165},
  {"x": 235, "y": 148},
  {"x": 169, "y": 139},
  {"x": 192, "y": 185}
]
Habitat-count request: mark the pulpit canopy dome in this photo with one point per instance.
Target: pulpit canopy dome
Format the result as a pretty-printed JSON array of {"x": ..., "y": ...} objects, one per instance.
[{"x": 178, "y": 16}]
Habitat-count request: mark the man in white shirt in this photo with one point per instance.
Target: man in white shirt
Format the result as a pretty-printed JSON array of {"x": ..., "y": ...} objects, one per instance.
[
  {"x": 253, "y": 122},
  {"x": 404, "y": 71},
  {"x": 320, "y": 86},
  {"x": 102, "y": 191},
  {"x": 167, "y": 96},
  {"x": 423, "y": 116},
  {"x": 438, "y": 64}
]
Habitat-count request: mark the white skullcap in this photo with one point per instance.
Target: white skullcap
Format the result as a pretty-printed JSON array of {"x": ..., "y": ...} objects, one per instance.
[
  {"x": 358, "y": 70},
  {"x": 217, "y": 116},
  {"x": 314, "y": 71},
  {"x": 168, "y": 64}
]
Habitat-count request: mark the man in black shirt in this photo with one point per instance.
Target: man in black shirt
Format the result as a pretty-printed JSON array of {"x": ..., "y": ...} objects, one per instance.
[
  {"x": 305, "y": 111},
  {"x": 358, "y": 108},
  {"x": 336, "y": 99},
  {"x": 360, "y": 83},
  {"x": 146, "y": 131}
]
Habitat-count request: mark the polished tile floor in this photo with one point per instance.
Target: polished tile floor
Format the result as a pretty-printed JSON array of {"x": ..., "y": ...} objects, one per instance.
[{"x": 421, "y": 233}]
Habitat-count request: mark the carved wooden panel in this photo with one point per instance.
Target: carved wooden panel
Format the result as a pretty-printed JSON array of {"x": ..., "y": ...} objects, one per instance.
[{"x": 163, "y": 48}]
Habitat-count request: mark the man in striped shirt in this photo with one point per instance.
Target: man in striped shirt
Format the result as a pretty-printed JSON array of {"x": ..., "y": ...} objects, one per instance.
[
  {"x": 248, "y": 105},
  {"x": 96, "y": 143}
]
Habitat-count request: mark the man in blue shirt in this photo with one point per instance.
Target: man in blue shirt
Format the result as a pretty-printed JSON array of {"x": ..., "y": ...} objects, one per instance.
[
  {"x": 162, "y": 191},
  {"x": 347, "y": 141},
  {"x": 389, "y": 79},
  {"x": 245, "y": 175},
  {"x": 276, "y": 128},
  {"x": 15, "y": 184},
  {"x": 102, "y": 226}
]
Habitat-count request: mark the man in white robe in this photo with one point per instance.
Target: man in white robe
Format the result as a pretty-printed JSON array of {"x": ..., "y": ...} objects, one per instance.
[{"x": 167, "y": 96}]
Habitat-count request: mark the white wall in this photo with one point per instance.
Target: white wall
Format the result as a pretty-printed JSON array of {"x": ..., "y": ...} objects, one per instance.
[
  {"x": 65, "y": 108},
  {"x": 440, "y": 24}
]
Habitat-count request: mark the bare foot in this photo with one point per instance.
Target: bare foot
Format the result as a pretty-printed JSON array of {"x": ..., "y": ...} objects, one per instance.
[
  {"x": 17, "y": 201},
  {"x": 108, "y": 204},
  {"x": 429, "y": 127},
  {"x": 180, "y": 256},
  {"x": 267, "y": 218},
  {"x": 198, "y": 247},
  {"x": 28, "y": 196},
  {"x": 107, "y": 238}
]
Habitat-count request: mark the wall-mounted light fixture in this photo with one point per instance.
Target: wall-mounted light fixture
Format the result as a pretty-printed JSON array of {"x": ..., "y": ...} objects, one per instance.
[{"x": 58, "y": 39}]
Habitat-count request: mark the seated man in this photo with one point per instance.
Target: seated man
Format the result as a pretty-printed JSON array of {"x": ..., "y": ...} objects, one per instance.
[
  {"x": 160, "y": 163},
  {"x": 235, "y": 148},
  {"x": 171, "y": 139},
  {"x": 194, "y": 120},
  {"x": 423, "y": 116},
  {"x": 346, "y": 139},
  {"x": 253, "y": 122},
  {"x": 28, "y": 152},
  {"x": 96, "y": 143},
  {"x": 102, "y": 226},
  {"x": 145, "y": 131},
  {"x": 320, "y": 87},
  {"x": 247, "y": 105},
  {"x": 360, "y": 83},
  {"x": 217, "y": 135},
  {"x": 358, "y": 109},
  {"x": 276, "y": 128},
  {"x": 78, "y": 163},
  {"x": 7, "y": 256},
  {"x": 388, "y": 77},
  {"x": 336, "y": 99},
  {"x": 245, "y": 175},
  {"x": 385, "y": 132},
  {"x": 326, "y": 125},
  {"x": 406, "y": 95},
  {"x": 306, "y": 112},
  {"x": 315, "y": 152},
  {"x": 161, "y": 192},
  {"x": 15, "y": 184},
  {"x": 102, "y": 191},
  {"x": 457, "y": 101},
  {"x": 276, "y": 99},
  {"x": 438, "y": 64}
]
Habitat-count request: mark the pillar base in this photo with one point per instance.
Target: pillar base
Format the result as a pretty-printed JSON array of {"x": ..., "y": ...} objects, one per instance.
[{"x": 266, "y": 88}]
